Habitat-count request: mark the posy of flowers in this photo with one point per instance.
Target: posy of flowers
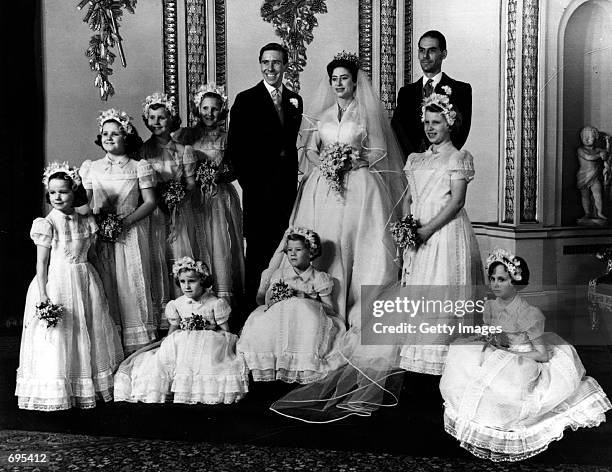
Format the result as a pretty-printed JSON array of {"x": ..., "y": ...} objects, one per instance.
[{"x": 335, "y": 160}]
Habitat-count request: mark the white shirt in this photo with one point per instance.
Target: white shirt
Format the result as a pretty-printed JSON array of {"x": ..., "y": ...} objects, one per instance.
[
  {"x": 271, "y": 89},
  {"x": 436, "y": 80}
]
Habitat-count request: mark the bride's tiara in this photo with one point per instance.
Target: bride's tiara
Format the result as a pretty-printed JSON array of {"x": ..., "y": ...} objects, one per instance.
[{"x": 348, "y": 56}]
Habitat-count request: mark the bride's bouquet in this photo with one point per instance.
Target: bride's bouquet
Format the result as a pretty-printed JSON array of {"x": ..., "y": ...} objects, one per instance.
[
  {"x": 171, "y": 194},
  {"x": 50, "y": 313},
  {"x": 404, "y": 232},
  {"x": 109, "y": 226},
  {"x": 336, "y": 159}
]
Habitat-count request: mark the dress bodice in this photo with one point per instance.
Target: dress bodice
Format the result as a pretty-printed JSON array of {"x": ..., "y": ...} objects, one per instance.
[
  {"x": 169, "y": 161},
  {"x": 116, "y": 186},
  {"x": 211, "y": 308},
  {"x": 68, "y": 236},
  {"x": 520, "y": 321},
  {"x": 210, "y": 144},
  {"x": 311, "y": 282},
  {"x": 350, "y": 129}
]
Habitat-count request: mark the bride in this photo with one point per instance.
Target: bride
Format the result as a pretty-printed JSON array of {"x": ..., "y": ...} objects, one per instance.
[{"x": 351, "y": 214}]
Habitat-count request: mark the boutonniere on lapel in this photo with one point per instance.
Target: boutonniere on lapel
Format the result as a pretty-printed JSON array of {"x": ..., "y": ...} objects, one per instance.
[{"x": 294, "y": 102}]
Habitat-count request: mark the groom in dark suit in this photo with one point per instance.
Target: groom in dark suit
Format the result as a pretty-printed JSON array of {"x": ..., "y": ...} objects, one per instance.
[
  {"x": 261, "y": 145},
  {"x": 406, "y": 120}
]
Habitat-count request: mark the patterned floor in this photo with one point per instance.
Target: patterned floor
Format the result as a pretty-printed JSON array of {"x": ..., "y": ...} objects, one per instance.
[{"x": 66, "y": 452}]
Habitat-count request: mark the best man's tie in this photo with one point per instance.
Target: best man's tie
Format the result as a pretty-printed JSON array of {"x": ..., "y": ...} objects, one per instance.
[{"x": 428, "y": 89}]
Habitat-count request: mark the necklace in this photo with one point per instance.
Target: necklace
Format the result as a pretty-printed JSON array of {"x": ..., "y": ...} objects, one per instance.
[{"x": 343, "y": 109}]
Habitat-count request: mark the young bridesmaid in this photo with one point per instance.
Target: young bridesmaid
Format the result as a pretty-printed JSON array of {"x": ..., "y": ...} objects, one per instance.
[
  {"x": 295, "y": 336},
  {"x": 172, "y": 233},
  {"x": 118, "y": 184},
  {"x": 72, "y": 362},
  {"x": 507, "y": 397},
  {"x": 197, "y": 361},
  {"x": 219, "y": 216}
]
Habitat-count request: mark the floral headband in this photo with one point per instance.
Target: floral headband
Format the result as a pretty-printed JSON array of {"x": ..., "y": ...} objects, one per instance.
[
  {"x": 210, "y": 88},
  {"x": 187, "y": 263},
  {"x": 348, "y": 56},
  {"x": 121, "y": 117},
  {"x": 509, "y": 260},
  {"x": 442, "y": 101},
  {"x": 159, "y": 98},
  {"x": 314, "y": 242},
  {"x": 55, "y": 167}
]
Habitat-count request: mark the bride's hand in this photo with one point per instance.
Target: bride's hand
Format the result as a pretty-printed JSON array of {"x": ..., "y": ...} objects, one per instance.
[{"x": 424, "y": 233}]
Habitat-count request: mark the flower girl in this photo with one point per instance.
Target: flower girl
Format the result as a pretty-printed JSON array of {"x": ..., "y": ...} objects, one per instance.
[
  {"x": 115, "y": 186},
  {"x": 197, "y": 361},
  {"x": 69, "y": 345},
  {"x": 218, "y": 212},
  {"x": 172, "y": 233},
  {"x": 507, "y": 396},
  {"x": 295, "y": 336}
]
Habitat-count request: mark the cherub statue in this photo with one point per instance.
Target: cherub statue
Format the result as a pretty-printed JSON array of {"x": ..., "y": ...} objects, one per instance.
[{"x": 593, "y": 171}]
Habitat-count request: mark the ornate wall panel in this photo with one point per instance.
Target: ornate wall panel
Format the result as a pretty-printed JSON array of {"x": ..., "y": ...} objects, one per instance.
[
  {"x": 365, "y": 35},
  {"x": 529, "y": 111},
  {"x": 195, "y": 39},
  {"x": 220, "y": 42},
  {"x": 407, "y": 41},
  {"x": 170, "y": 47},
  {"x": 387, "y": 53},
  {"x": 510, "y": 145}
]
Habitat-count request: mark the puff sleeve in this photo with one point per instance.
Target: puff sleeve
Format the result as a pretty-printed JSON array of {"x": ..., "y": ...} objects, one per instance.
[
  {"x": 323, "y": 283},
  {"x": 461, "y": 166},
  {"x": 222, "y": 311},
  {"x": 85, "y": 173},
  {"x": 172, "y": 313},
  {"x": 531, "y": 321},
  {"x": 146, "y": 175},
  {"x": 42, "y": 232}
]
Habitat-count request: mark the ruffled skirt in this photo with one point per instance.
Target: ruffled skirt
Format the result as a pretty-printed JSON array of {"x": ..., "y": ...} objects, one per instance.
[
  {"x": 186, "y": 367},
  {"x": 295, "y": 340},
  {"x": 505, "y": 407},
  {"x": 72, "y": 363}
]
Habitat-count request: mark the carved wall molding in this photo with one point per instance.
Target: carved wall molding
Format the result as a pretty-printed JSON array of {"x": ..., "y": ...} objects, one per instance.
[
  {"x": 388, "y": 18},
  {"x": 170, "y": 48},
  {"x": 195, "y": 40},
  {"x": 365, "y": 35},
  {"x": 529, "y": 171},
  {"x": 407, "y": 41},
  {"x": 510, "y": 144},
  {"x": 220, "y": 43}
]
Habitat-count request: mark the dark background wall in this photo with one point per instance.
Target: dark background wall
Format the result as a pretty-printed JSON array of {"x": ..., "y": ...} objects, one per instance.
[{"x": 21, "y": 151}]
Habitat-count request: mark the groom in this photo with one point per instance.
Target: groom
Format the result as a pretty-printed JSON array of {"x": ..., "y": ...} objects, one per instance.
[{"x": 261, "y": 144}]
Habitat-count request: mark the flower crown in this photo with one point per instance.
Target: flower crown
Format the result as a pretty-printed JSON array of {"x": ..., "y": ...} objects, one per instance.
[
  {"x": 314, "y": 242},
  {"x": 55, "y": 167},
  {"x": 159, "y": 98},
  {"x": 211, "y": 87},
  {"x": 442, "y": 101},
  {"x": 348, "y": 56},
  {"x": 187, "y": 263},
  {"x": 119, "y": 116},
  {"x": 509, "y": 260}
]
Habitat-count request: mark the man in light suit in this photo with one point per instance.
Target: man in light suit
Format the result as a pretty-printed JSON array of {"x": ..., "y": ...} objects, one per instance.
[
  {"x": 261, "y": 145},
  {"x": 406, "y": 120}
]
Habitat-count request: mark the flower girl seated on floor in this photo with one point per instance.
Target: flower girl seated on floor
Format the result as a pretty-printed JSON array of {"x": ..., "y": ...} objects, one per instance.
[
  {"x": 69, "y": 344},
  {"x": 197, "y": 361},
  {"x": 507, "y": 397},
  {"x": 295, "y": 335}
]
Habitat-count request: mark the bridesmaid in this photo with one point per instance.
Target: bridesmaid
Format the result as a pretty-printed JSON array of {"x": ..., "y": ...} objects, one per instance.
[
  {"x": 116, "y": 184},
  {"x": 448, "y": 256},
  {"x": 217, "y": 208}
]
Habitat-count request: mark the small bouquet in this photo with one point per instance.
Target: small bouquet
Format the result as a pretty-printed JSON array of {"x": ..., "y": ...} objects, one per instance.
[
  {"x": 280, "y": 291},
  {"x": 50, "y": 313},
  {"x": 499, "y": 340},
  {"x": 109, "y": 226},
  {"x": 336, "y": 160},
  {"x": 197, "y": 323},
  {"x": 404, "y": 232},
  {"x": 208, "y": 174},
  {"x": 171, "y": 194}
]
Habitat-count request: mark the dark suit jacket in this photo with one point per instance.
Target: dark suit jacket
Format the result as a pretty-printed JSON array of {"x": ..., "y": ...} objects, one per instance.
[
  {"x": 264, "y": 156},
  {"x": 407, "y": 122}
]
